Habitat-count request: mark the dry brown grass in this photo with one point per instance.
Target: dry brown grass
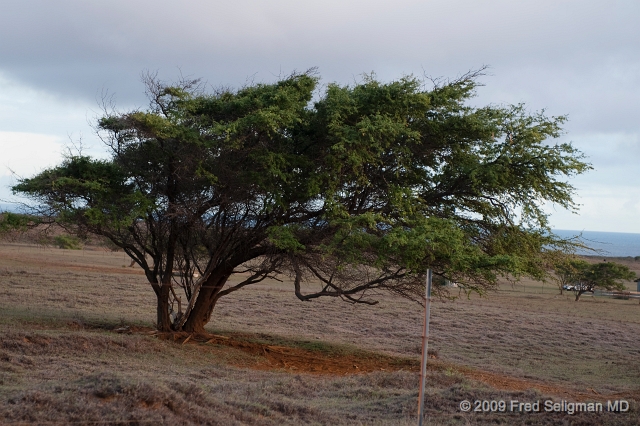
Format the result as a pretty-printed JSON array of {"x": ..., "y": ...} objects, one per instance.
[{"x": 60, "y": 362}]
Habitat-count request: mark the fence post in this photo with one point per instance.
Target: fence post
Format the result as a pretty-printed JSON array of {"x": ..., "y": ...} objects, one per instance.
[{"x": 425, "y": 345}]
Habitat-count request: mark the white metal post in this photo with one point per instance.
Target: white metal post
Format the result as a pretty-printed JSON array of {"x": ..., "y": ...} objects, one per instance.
[{"x": 425, "y": 345}]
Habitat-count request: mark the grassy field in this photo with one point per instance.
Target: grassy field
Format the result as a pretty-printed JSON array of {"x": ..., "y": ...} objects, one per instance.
[{"x": 77, "y": 347}]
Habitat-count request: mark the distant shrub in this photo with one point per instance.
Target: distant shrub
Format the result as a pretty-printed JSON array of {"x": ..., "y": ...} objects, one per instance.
[
  {"x": 109, "y": 245},
  {"x": 68, "y": 242},
  {"x": 14, "y": 225},
  {"x": 43, "y": 240},
  {"x": 636, "y": 258}
]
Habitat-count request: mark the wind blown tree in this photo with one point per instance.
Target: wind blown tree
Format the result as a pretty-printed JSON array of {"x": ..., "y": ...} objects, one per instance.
[
  {"x": 588, "y": 277},
  {"x": 353, "y": 194}
]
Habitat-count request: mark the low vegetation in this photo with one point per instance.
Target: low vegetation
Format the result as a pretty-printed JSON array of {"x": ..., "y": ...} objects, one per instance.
[{"x": 68, "y": 242}]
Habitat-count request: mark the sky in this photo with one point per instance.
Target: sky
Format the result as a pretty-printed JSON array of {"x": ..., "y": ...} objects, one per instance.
[{"x": 59, "y": 60}]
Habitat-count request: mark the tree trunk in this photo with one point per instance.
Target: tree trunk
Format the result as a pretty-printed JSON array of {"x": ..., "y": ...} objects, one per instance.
[
  {"x": 206, "y": 301},
  {"x": 578, "y": 295},
  {"x": 164, "y": 320}
]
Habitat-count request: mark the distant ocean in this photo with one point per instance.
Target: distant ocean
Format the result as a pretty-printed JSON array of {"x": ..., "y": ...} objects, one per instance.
[{"x": 614, "y": 244}]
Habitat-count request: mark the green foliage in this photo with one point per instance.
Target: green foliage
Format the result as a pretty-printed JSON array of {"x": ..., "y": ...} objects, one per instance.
[
  {"x": 608, "y": 275},
  {"x": 570, "y": 270},
  {"x": 67, "y": 242},
  {"x": 86, "y": 191},
  {"x": 588, "y": 277},
  {"x": 13, "y": 225},
  {"x": 16, "y": 222},
  {"x": 362, "y": 189},
  {"x": 284, "y": 238}
]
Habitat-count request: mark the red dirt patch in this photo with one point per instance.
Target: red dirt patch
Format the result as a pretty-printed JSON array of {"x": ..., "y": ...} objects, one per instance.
[
  {"x": 275, "y": 357},
  {"x": 298, "y": 360}
]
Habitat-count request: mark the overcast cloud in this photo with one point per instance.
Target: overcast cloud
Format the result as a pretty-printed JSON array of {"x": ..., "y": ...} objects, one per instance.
[{"x": 580, "y": 58}]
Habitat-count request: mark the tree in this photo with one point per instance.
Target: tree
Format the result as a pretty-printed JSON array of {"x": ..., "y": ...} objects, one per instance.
[
  {"x": 569, "y": 271},
  {"x": 357, "y": 192},
  {"x": 604, "y": 275}
]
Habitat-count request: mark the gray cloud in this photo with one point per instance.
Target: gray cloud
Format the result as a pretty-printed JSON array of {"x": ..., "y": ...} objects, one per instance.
[
  {"x": 76, "y": 47},
  {"x": 575, "y": 57}
]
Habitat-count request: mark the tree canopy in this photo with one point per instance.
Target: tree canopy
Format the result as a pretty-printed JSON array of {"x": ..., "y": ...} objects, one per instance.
[
  {"x": 587, "y": 277},
  {"x": 348, "y": 190}
]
